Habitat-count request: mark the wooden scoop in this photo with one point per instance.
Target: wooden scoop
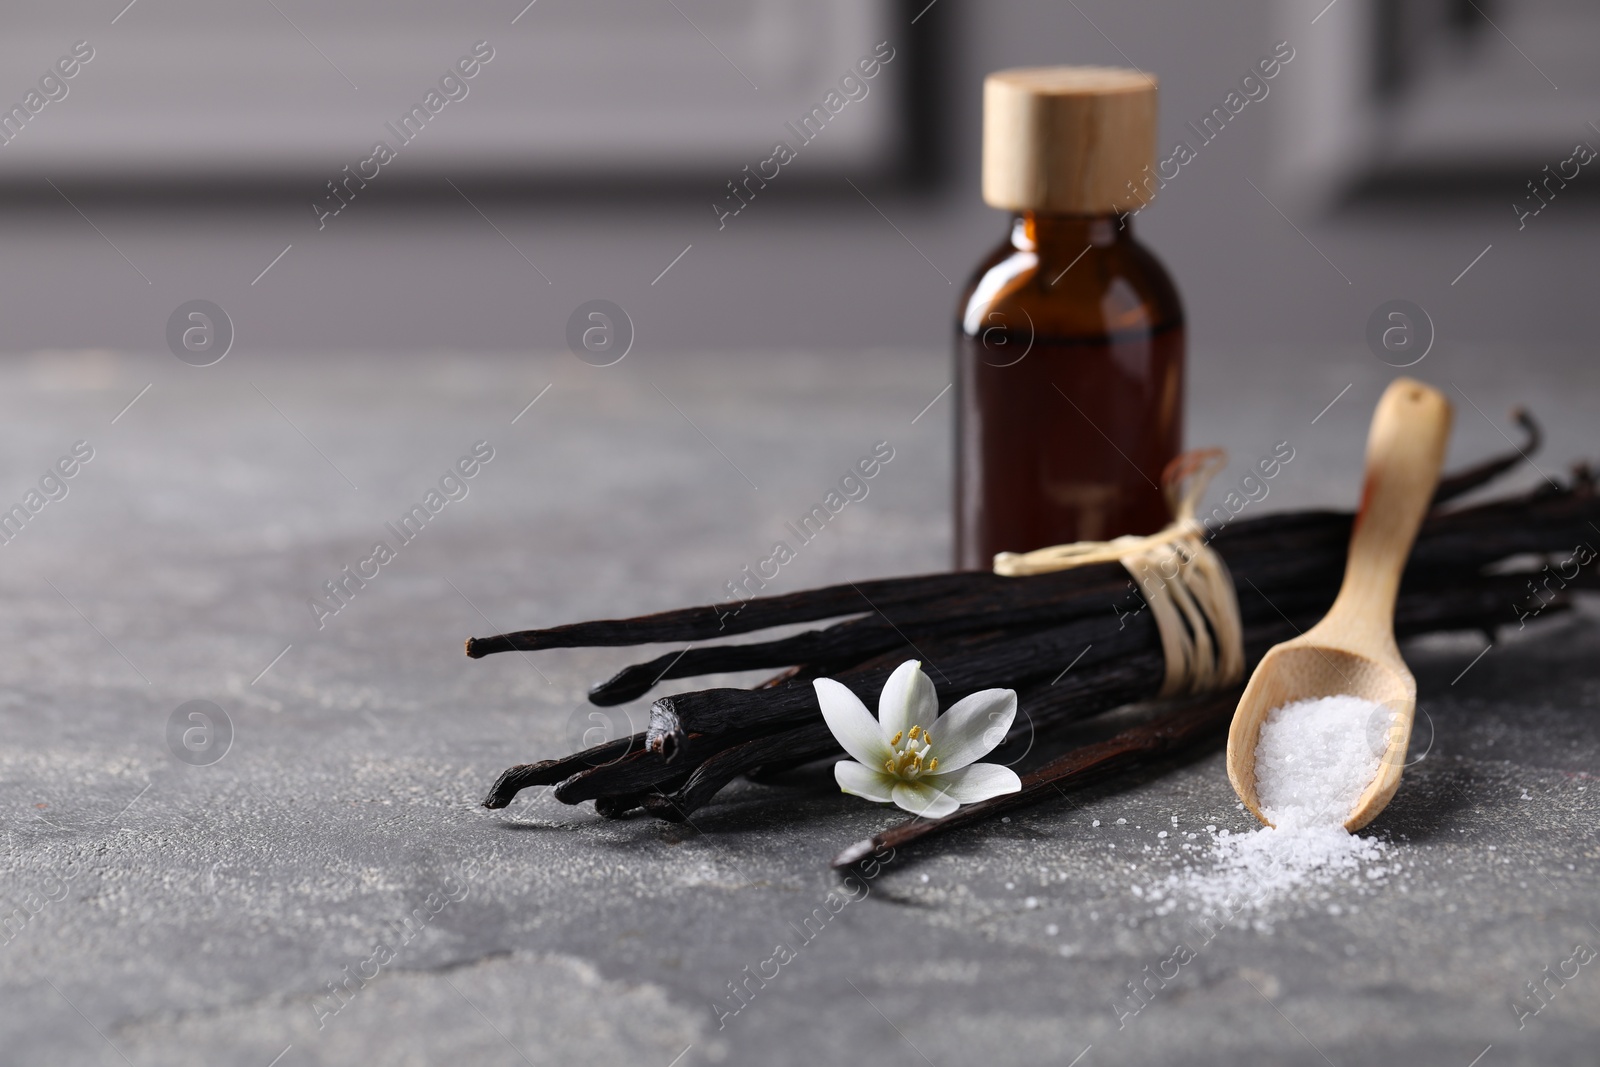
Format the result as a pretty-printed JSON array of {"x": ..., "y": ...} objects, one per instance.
[{"x": 1352, "y": 650}]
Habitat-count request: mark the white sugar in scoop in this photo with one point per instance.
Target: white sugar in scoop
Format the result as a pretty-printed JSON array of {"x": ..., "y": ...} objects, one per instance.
[{"x": 1316, "y": 757}]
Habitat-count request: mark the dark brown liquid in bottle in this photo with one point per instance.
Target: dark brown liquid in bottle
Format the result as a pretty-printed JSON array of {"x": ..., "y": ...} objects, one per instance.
[{"x": 1070, "y": 352}]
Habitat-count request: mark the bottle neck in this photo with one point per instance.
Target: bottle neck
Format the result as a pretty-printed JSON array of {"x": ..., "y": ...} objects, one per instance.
[{"x": 1051, "y": 235}]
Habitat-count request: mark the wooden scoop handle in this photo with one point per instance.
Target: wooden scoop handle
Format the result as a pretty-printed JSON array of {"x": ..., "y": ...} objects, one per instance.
[{"x": 1405, "y": 451}]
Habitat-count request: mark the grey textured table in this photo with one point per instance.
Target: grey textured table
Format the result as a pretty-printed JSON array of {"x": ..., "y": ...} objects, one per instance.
[{"x": 158, "y": 912}]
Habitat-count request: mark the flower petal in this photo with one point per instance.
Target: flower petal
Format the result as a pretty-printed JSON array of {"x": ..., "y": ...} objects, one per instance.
[
  {"x": 972, "y": 727},
  {"x": 977, "y": 782},
  {"x": 920, "y": 798},
  {"x": 864, "y": 781},
  {"x": 907, "y": 700},
  {"x": 851, "y": 723}
]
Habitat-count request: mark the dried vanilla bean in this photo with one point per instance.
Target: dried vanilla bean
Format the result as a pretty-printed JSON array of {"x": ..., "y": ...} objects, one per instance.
[
  {"x": 713, "y": 621},
  {"x": 1463, "y": 482},
  {"x": 551, "y": 771}
]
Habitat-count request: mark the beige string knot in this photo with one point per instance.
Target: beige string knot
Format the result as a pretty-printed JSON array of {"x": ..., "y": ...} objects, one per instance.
[{"x": 1181, "y": 577}]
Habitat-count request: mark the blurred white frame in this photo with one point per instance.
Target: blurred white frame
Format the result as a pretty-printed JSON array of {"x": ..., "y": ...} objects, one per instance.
[
  {"x": 577, "y": 89},
  {"x": 1460, "y": 103}
]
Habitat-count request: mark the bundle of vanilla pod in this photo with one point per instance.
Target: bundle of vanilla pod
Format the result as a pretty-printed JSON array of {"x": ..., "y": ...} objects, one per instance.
[{"x": 1470, "y": 570}]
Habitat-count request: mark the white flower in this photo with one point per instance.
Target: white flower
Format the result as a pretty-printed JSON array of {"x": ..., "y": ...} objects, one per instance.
[{"x": 912, "y": 755}]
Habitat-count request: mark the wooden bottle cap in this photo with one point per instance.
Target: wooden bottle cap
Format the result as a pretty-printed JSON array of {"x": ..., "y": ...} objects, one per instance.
[{"x": 1068, "y": 139}]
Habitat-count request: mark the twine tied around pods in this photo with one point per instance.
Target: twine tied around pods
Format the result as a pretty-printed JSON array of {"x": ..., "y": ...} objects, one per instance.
[{"x": 1181, "y": 577}]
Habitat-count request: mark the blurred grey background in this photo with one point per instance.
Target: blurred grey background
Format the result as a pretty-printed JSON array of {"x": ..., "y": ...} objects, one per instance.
[{"x": 1400, "y": 145}]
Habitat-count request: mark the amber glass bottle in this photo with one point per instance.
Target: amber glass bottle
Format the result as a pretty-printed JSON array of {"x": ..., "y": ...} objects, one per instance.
[{"x": 1070, "y": 338}]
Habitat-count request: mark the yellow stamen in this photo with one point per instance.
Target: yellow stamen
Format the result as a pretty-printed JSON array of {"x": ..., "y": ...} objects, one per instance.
[
  {"x": 927, "y": 737},
  {"x": 888, "y": 765},
  {"x": 915, "y": 730},
  {"x": 897, "y": 736},
  {"x": 934, "y": 764}
]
